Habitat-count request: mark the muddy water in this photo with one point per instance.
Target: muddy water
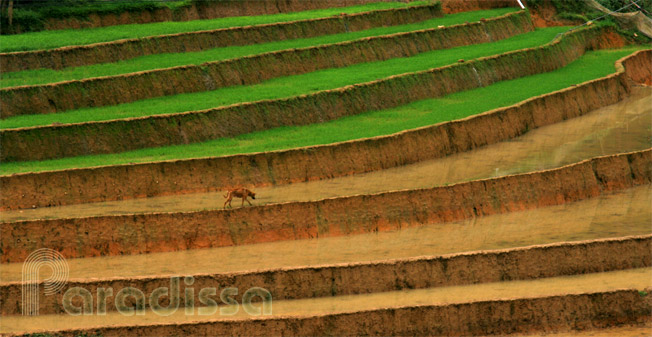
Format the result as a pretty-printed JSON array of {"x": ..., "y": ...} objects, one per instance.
[
  {"x": 633, "y": 278},
  {"x": 622, "y": 127},
  {"x": 624, "y": 213}
]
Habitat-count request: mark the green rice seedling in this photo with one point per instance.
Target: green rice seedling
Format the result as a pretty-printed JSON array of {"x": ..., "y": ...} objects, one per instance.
[
  {"x": 160, "y": 61},
  {"x": 73, "y": 37},
  {"x": 592, "y": 65},
  {"x": 284, "y": 87}
]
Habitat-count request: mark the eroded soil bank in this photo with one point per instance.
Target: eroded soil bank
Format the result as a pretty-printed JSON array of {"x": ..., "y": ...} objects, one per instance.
[
  {"x": 613, "y": 215},
  {"x": 618, "y": 128},
  {"x": 360, "y": 277},
  {"x": 159, "y": 232},
  {"x": 337, "y": 265},
  {"x": 577, "y": 302}
]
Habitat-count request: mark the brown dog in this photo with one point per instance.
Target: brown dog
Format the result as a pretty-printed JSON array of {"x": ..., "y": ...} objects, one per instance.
[{"x": 239, "y": 193}]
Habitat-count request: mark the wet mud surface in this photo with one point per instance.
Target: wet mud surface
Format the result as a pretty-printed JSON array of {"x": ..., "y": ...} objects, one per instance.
[
  {"x": 634, "y": 278},
  {"x": 618, "y": 128}
]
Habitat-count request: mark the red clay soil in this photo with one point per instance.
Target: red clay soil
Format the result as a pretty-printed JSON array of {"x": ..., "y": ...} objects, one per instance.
[
  {"x": 219, "y": 9},
  {"x": 68, "y": 140},
  {"x": 249, "y": 70},
  {"x": 319, "y": 162},
  {"x": 492, "y": 317},
  {"x": 544, "y": 14},
  {"x": 380, "y": 276},
  {"x": 73, "y": 56},
  {"x": 160, "y": 232}
]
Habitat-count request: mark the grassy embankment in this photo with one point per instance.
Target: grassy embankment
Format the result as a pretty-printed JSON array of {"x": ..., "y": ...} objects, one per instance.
[
  {"x": 160, "y": 61},
  {"x": 71, "y": 37},
  {"x": 421, "y": 113},
  {"x": 289, "y": 86}
]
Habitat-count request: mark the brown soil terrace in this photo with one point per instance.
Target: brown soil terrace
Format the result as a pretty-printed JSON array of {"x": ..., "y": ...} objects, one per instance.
[
  {"x": 539, "y": 308},
  {"x": 319, "y": 162},
  {"x": 618, "y": 214},
  {"x": 622, "y": 127},
  {"x": 563, "y": 250},
  {"x": 106, "y": 52},
  {"x": 291, "y": 282},
  {"x": 159, "y": 232},
  {"x": 48, "y": 98},
  {"x": 50, "y": 142}
]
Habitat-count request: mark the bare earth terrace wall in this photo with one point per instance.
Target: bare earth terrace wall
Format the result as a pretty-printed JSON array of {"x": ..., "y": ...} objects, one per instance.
[
  {"x": 160, "y": 232},
  {"x": 114, "y": 51},
  {"x": 639, "y": 68},
  {"x": 126, "y": 88},
  {"x": 68, "y": 140},
  {"x": 379, "y": 276},
  {"x": 493, "y": 317},
  {"x": 119, "y": 182},
  {"x": 219, "y": 9}
]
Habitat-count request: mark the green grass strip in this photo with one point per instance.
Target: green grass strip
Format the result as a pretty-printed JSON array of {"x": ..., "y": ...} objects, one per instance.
[
  {"x": 421, "y": 113},
  {"x": 289, "y": 86},
  {"x": 160, "y": 61},
  {"x": 73, "y": 37}
]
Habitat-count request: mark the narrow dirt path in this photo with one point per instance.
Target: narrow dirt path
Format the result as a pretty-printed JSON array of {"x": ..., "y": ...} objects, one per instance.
[{"x": 618, "y": 128}]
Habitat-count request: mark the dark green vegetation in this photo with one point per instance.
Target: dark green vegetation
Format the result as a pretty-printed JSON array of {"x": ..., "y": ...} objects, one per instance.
[
  {"x": 421, "y": 113},
  {"x": 289, "y": 86},
  {"x": 160, "y": 61},
  {"x": 31, "y": 15},
  {"x": 71, "y": 37}
]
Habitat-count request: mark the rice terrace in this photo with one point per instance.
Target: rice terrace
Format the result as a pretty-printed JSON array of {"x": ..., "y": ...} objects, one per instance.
[{"x": 326, "y": 167}]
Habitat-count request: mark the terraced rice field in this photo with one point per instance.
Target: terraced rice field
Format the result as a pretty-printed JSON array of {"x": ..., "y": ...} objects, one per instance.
[
  {"x": 419, "y": 168},
  {"x": 160, "y": 61},
  {"x": 64, "y": 38}
]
